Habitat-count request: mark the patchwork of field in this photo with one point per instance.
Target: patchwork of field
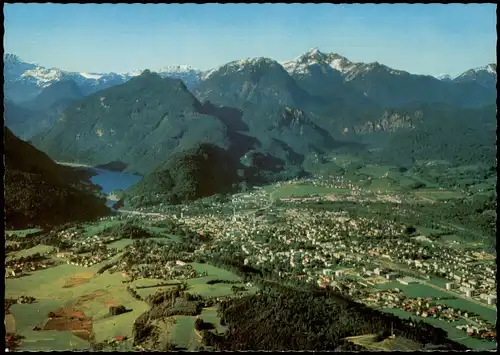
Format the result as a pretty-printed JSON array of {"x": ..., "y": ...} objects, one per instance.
[
  {"x": 77, "y": 288},
  {"x": 70, "y": 288}
]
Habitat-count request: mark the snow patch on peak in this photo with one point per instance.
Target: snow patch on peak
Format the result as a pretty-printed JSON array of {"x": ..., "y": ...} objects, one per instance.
[
  {"x": 341, "y": 64},
  {"x": 314, "y": 51},
  {"x": 136, "y": 72},
  {"x": 444, "y": 77},
  {"x": 302, "y": 64},
  {"x": 177, "y": 69},
  {"x": 91, "y": 76},
  {"x": 491, "y": 68},
  {"x": 43, "y": 76},
  {"x": 208, "y": 73},
  {"x": 238, "y": 65}
]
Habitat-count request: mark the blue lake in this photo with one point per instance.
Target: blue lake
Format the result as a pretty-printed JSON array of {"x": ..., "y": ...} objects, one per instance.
[{"x": 112, "y": 180}]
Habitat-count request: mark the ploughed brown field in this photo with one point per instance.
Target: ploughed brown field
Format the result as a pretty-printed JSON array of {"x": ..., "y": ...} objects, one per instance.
[{"x": 70, "y": 320}]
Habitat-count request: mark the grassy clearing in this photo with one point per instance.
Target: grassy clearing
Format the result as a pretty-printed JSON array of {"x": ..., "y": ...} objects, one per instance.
[
  {"x": 52, "y": 341},
  {"x": 96, "y": 228},
  {"x": 205, "y": 290},
  {"x": 43, "y": 284},
  {"x": 214, "y": 271},
  {"x": 119, "y": 325},
  {"x": 183, "y": 332},
  {"x": 145, "y": 292},
  {"x": 121, "y": 244},
  {"x": 28, "y": 316},
  {"x": 209, "y": 315}
]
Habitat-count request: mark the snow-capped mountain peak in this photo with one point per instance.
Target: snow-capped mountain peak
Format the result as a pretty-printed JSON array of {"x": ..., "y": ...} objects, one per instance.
[
  {"x": 36, "y": 77},
  {"x": 444, "y": 77},
  {"x": 485, "y": 75},
  {"x": 91, "y": 76},
  {"x": 314, "y": 51},
  {"x": 490, "y": 68},
  {"x": 177, "y": 69},
  {"x": 42, "y": 76},
  {"x": 239, "y": 65},
  {"x": 302, "y": 64}
]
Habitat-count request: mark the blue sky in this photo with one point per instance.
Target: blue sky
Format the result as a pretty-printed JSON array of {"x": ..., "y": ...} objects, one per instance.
[{"x": 423, "y": 39}]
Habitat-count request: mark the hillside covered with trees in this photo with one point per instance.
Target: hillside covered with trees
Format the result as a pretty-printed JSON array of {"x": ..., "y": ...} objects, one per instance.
[
  {"x": 285, "y": 319},
  {"x": 39, "y": 192}
]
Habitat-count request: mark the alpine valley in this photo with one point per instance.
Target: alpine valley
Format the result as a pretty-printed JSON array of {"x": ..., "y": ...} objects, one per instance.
[{"x": 311, "y": 204}]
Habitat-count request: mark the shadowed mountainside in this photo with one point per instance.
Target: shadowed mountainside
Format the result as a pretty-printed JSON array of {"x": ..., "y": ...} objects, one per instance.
[{"x": 38, "y": 192}]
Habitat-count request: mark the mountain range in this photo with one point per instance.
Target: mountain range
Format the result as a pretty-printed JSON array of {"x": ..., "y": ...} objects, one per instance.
[
  {"x": 268, "y": 117},
  {"x": 24, "y": 81}
]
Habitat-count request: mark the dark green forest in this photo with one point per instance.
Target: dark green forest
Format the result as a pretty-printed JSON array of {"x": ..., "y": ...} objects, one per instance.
[
  {"x": 38, "y": 192},
  {"x": 284, "y": 319}
]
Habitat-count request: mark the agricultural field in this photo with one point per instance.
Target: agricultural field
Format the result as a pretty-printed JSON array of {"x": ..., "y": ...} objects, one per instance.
[
  {"x": 183, "y": 333},
  {"x": 52, "y": 340},
  {"x": 77, "y": 289}
]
